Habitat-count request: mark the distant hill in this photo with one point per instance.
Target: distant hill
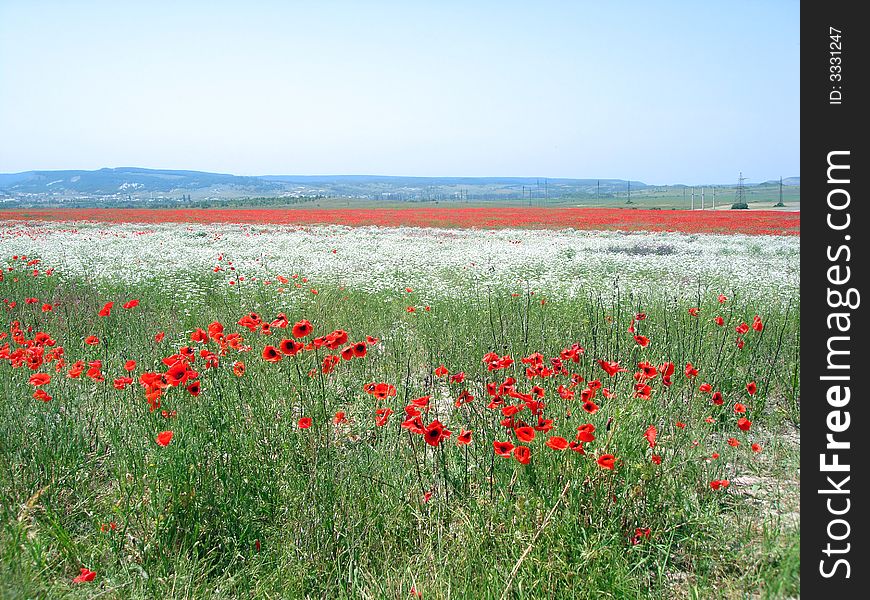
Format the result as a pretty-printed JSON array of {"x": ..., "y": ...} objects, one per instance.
[
  {"x": 127, "y": 180},
  {"x": 126, "y": 186}
]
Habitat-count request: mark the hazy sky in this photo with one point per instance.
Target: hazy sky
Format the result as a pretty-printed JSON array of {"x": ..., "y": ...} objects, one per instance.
[{"x": 663, "y": 92}]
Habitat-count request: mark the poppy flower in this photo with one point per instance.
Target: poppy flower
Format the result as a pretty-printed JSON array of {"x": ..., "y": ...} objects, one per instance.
[
  {"x": 382, "y": 416},
  {"x": 435, "y": 432},
  {"x": 744, "y": 424},
  {"x": 611, "y": 368},
  {"x": 715, "y": 456},
  {"x": 457, "y": 378},
  {"x": 45, "y": 307},
  {"x": 131, "y": 304},
  {"x": 739, "y": 408},
  {"x": 194, "y": 388},
  {"x": 92, "y": 340},
  {"x": 441, "y": 371},
  {"x": 271, "y": 354},
  {"x": 129, "y": 365},
  {"x": 339, "y": 418},
  {"x": 164, "y": 437},
  {"x": 304, "y": 423},
  {"x": 719, "y": 321},
  {"x": 742, "y": 328},
  {"x": 751, "y": 388},
  {"x": 606, "y": 461},
  {"x": 693, "y": 311},
  {"x": 717, "y": 398},
  {"x": 238, "y": 368},
  {"x": 302, "y": 329},
  {"x": 733, "y": 442},
  {"x": 757, "y": 325},
  {"x": 756, "y": 447},
  {"x": 503, "y": 448},
  {"x": 740, "y": 343},
  {"x": 42, "y": 395},
  {"x": 360, "y": 349},
  {"x": 680, "y": 425},
  {"x": 158, "y": 337},
  {"x": 464, "y": 437},
  {"x": 656, "y": 459},
  {"x": 39, "y": 379},
  {"x": 557, "y": 443},
  {"x": 722, "y": 299},
  {"x": 705, "y": 387},
  {"x": 346, "y": 353},
  {"x": 525, "y": 434},
  {"x": 121, "y": 382},
  {"x": 523, "y": 454},
  {"x": 650, "y": 435},
  {"x": 84, "y": 576},
  {"x": 585, "y": 433},
  {"x": 107, "y": 309},
  {"x": 690, "y": 371},
  {"x": 641, "y": 340},
  {"x": 590, "y": 407}
]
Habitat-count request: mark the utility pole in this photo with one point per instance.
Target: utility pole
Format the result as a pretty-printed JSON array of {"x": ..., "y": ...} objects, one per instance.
[
  {"x": 598, "y": 193},
  {"x": 693, "y": 198},
  {"x": 714, "y": 197},
  {"x": 702, "y": 198}
]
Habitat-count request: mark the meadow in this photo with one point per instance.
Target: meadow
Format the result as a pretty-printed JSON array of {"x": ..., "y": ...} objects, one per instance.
[{"x": 251, "y": 409}]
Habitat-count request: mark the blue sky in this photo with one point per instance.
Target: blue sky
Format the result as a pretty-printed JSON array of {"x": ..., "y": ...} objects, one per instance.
[{"x": 662, "y": 92}]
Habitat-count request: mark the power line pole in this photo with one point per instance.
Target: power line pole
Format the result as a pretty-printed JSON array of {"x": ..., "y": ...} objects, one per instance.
[
  {"x": 702, "y": 198},
  {"x": 693, "y": 198}
]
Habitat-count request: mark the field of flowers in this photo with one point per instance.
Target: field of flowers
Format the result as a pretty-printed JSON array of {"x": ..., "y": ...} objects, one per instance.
[
  {"x": 756, "y": 222},
  {"x": 249, "y": 409}
]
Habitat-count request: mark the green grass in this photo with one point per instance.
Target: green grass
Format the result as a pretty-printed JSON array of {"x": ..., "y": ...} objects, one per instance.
[{"x": 338, "y": 511}]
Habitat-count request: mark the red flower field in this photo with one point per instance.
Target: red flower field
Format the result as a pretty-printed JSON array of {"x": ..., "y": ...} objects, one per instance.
[{"x": 747, "y": 222}]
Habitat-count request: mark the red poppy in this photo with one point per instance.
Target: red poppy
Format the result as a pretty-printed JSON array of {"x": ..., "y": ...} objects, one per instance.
[
  {"x": 121, "y": 382},
  {"x": 457, "y": 378},
  {"x": 158, "y": 337},
  {"x": 739, "y": 408},
  {"x": 304, "y": 422},
  {"x": 523, "y": 454},
  {"x": 42, "y": 395},
  {"x": 680, "y": 425},
  {"x": 271, "y": 354},
  {"x": 92, "y": 340},
  {"x": 339, "y": 418},
  {"x": 441, "y": 371},
  {"x": 194, "y": 388},
  {"x": 503, "y": 448},
  {"x": 382, "y": 416},
  {"x": 164, "y": 437},
  {"x": 722, "y": 298},
  {"x": 557, "y": 443},
  {"x": 302, "y": 329},
  {"x": 705, "y": 387},
  {"x": 740, "y": 343},
  {"x": 751, "y": 388},
  {"x": 45, "y": 307},
  {"x": 693, "y": 312},
  {"x": 39, "y": 379},
  {"x": 656, "y": 459},
  {"x": 84, "y": 576},
  {"x": 742, "y": 328},
  {"x": 129, "y": 365},
  {"x": 590, "y": 407},
  {"x": 744, "y": 424},
  {"x": 733, "y": 442},
  {"x": 585, "y": 432},
  {"x": 650, "y": 435},
  {"x": 238, "y": 368},
  {"x": 131, "y": 304},
  {"x": 717, "y": 398},
  {"x": 757, "y": 325},
  {"x": 690, "y": 371},
  {"x": 641, "y": 340},
  {"x": 464, "y": 437},
  {"x": 525, "y": 434},
  {"x": 756, "y": 447},
  {"x": 719, "y": 321},
  {"x": 107, "y": 309},
  {"x": 606, "y": 461},
  {"x": 360, "y": 349},
  {"x": 435, "y": 432}
]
